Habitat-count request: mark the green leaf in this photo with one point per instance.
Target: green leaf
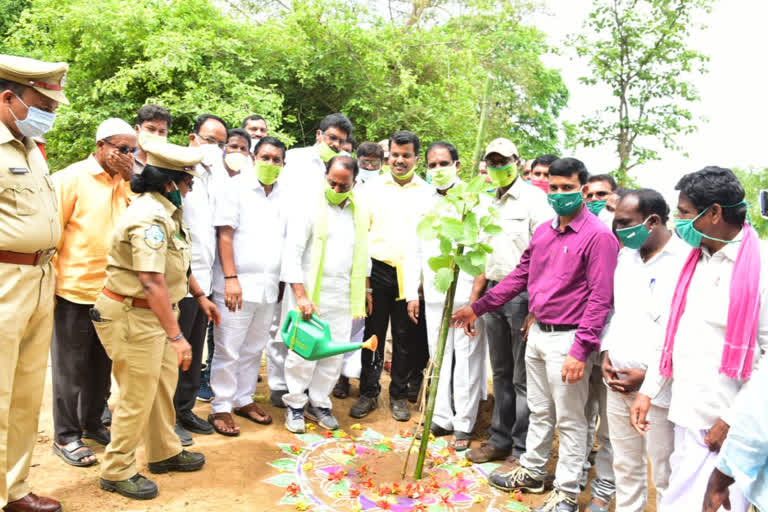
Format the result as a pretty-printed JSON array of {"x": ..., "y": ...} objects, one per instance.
[
  {"x": 492, "y": 229},
  {"x": 438, "y": 262},
  {"x": 477, "y": 185},
  {"x": 446, "y": 246},
  {"x": 451, "y": 228},
  {"x": 443, "y": 279},
  {"x": 485, "y": 247},
  {"x": 477, "y": 258},
  {"x": 470, "y": 228},
  {"x": 465, "y": 264},
  {"x": 425, "y": 228}
]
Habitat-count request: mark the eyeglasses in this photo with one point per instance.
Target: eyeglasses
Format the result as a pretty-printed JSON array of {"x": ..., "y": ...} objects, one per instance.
[
  {"x": 122, "y": 149},
  {"x": 210, "y": 140},
  {"x": 601, "y": 194},
  {"x": 373, "y": 164}
]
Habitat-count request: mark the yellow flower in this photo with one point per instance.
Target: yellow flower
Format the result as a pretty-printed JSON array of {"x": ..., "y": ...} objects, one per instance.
[
  {"x": 302, "y": 505},
  {"x": 356, "y": 426},
  {"x": 478, "y": 499},
  {"x": 311, "y": 427},
  {"x": 465, "y": 463},
  {"x": 307, "y": 466}
]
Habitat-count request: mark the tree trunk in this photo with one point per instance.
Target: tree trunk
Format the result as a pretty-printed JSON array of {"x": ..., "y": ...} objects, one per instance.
[{"x": 484, "y": 106}]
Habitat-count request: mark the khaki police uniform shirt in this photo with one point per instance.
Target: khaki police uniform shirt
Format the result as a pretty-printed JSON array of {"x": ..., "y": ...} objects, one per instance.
[
  {"x": 150, "y": 237},
  {"x": 29, "y": 221}
]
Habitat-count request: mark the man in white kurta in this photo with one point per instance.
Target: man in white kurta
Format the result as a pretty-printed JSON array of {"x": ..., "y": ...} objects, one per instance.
[
  {"x": 313, "y": 381},
  {"x": 256, "y": 213},
  {"x": 463, "y": 368},
  {"x": 644, "y": 281},
  {"x": 703, "y": 398}
]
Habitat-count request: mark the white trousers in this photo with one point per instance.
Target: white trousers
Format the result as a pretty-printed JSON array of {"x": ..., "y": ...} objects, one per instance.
[
  {"x": 276, "y": 349},
  {"x": 353, "y": 363},
  {"x": 466, "y": 356},
  {"x": 691, "y": 466},
  {"x": 555, "y": 404},
  {"x": 319, "y": 377},
  {"x": 239, "y": 340},
  {"x": 632, "y": 452}
]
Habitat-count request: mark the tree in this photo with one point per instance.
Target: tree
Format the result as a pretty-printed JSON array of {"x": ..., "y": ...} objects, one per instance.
[
  {"x": 639, "y": 49},
  {"x": 185, "y": 55},
  {"x": 753, "y": 181}
]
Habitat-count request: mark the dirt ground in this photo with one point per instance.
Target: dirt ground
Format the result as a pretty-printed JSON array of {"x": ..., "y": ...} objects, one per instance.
[{"x": 232, "y": 478}]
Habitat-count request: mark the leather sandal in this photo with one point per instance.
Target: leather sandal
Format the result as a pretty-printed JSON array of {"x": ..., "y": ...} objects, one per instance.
[
  {"x": 73, "y": 453},
  {"x": 461, "y": 441},
  {"x": 229, "y": 422},
  {"x": 248, "y": 412}
]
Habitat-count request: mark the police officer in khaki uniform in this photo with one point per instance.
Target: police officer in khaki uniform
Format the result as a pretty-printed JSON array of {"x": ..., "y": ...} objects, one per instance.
[
  {"x": 136, "y": 320},
  {"x": 30, "y": 93}
]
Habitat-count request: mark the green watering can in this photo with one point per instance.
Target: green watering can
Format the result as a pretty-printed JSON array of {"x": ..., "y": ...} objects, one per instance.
[{"x": 311, "y": 339}]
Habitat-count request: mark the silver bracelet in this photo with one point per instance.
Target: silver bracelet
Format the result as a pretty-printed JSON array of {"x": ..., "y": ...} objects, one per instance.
[{"x": 175, "y": 339}]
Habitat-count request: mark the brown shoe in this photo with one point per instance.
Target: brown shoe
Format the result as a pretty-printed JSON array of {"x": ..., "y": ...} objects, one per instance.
[
  {"x": 509, "y": 463},
  {"x": 486, "y": 453},
  {"x": 33, "y": 503}
]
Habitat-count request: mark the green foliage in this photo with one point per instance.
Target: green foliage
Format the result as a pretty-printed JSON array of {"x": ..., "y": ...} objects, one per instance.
[
  {"x": 420, "y": 66},
  {"x": 639, "y": 50},
  {"x": 184, "y": 55},
  {"x": 753, "y": 181},
  {"x": 460, "y": 236}
]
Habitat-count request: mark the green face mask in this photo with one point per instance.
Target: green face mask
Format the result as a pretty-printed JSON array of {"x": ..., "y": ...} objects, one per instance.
[
  {"x": 404, "y": 176},
  {"x": 442, "y": 177},
  {"x": 635, "y": 236},
  {"x": 333, "y": 197},
  {"x": 692, "y": 236},
  {"x": 503, "y": 176},
  {"x": 326, "y": 152},
  {"x": 596, "y": 206},
  {"x": 266, "y": 172},
  {"x": 174, "y": 196},
  {"x": 565, "y": 204}
]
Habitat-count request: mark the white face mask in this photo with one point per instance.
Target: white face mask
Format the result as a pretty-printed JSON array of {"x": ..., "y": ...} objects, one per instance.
[
  {"x": 366, "y": 174},
  {"x": 236, "y": 161},
  {"x": 211, "y": 152}
]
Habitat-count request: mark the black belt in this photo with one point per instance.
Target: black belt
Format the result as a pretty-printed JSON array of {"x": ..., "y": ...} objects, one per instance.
[{"x": 556, "y": 327}]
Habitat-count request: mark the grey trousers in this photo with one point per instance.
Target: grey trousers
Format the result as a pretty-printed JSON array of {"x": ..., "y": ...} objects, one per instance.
[
  {"x": 604, "y": 483},
  {"x": 509, "y": 425}
]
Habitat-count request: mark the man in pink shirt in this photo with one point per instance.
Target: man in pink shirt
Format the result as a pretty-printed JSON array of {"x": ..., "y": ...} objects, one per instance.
[{"x": 568, "y": 272}]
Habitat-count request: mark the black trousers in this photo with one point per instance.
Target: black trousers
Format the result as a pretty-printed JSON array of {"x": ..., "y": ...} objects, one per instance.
[
  {"x": 410, "y": 351},
  {"x": 193, "y": 323},
  {"x": 80, "y": 370}
]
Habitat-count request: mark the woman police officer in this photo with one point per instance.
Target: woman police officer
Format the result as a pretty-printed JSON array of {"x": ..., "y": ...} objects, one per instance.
[{"x": 136, "y": 320}]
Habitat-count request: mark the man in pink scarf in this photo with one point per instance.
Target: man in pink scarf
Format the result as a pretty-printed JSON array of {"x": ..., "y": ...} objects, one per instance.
[{"x": 716, "y": 332}]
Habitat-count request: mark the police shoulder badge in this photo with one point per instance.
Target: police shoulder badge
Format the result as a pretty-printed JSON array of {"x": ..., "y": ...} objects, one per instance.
[{"x": 154, "y": 237}]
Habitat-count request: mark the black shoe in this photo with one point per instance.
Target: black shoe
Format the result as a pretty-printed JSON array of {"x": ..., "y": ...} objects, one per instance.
[
  {"x": 276, "y": 397},
  {"x": 101, "y": 436},
  {"x": 363, "y": 407},
  {"x": 184, "y": 461},
  {"x": 185, "y": 438},
  {"x": 516, "y": 478},
  {"x": 194, "y": 423},
  {"x": 341, "y": 390},
  {"x": 399, "y": 409},
  {"x": 106, "y": 416},
  {"x": 137, "y": 487}
]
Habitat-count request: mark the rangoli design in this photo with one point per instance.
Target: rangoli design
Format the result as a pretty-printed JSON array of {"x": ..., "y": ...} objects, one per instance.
[{"x": 336, "y": 471}]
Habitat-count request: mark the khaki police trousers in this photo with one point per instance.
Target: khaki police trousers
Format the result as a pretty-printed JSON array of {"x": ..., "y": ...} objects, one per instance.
[
  {"x": 144, "y": 366},
  {"x": 26, "y": 316}
]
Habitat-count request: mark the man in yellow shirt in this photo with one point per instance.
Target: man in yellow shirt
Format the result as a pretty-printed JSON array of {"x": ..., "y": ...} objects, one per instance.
[
  {"x": 397, "y": 201},
  {"x": 92, "y": 194}
]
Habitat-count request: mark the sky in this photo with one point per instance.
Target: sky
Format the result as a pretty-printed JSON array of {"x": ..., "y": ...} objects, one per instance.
[{"x": 734, "y": 94}]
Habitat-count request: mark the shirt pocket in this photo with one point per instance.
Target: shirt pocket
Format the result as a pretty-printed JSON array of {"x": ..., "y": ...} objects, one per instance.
[
  {"x": 514, "y": 230},
  {"x": 19, "y": 194},
  {"x": 180, "y": 254}
]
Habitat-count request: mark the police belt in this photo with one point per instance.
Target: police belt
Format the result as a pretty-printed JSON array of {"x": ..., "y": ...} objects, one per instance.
[
  {"x": 40, "y": 258},
  {"x": 135, "y": 302}
]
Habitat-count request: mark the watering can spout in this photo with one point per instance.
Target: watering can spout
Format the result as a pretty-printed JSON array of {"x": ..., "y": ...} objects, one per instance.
[{"x": 311, "y": 339}]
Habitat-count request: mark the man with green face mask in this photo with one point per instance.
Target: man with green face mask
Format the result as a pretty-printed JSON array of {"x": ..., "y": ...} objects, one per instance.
[
  {"x": 305, "y": 167},
  {"x": 645, "y": 278},
  {"x": 716, "y": 332},
  {"x": 250, "y": 218},
  {"x": 567, "y": 270},
  {"x": 599, "y": 196},
  {"x": 521, "y": 209}
]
